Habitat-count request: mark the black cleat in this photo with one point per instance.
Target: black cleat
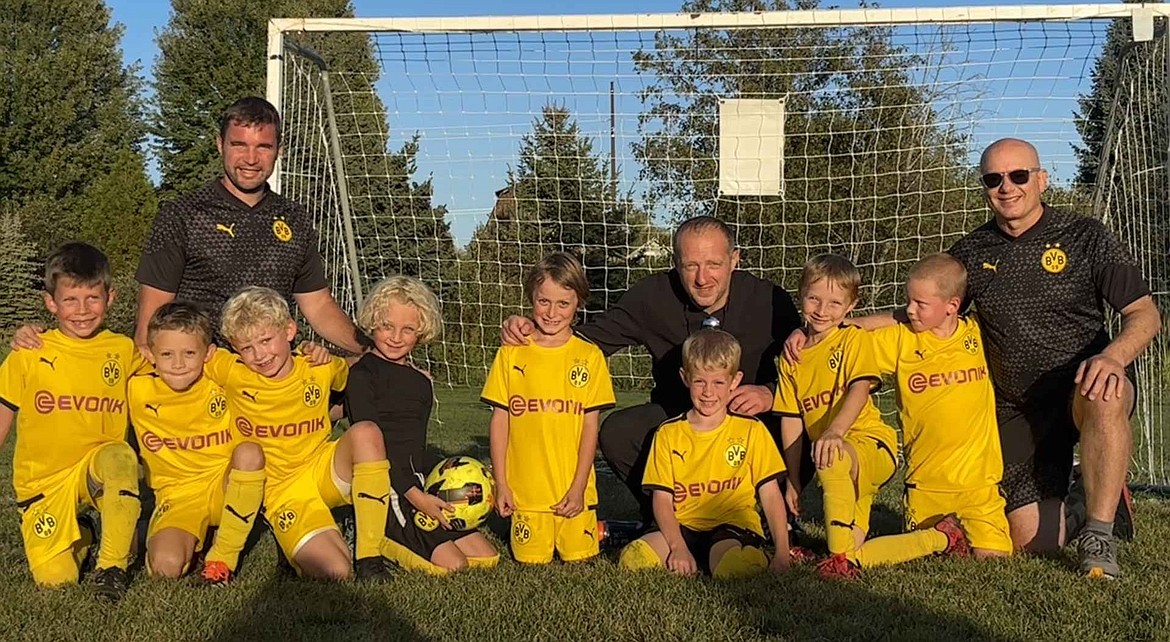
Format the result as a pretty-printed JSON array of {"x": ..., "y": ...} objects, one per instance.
[
  {"x": 372, "y": 569},
  {"x": 110, "y": 584}
]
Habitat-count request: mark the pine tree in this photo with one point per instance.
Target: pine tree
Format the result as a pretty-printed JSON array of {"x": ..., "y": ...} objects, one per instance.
[{"x": 20, "y": 301}]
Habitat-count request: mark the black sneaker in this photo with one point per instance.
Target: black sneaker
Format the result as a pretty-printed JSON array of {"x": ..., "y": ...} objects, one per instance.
[
  {"x": 372, "y": 569},
  {"x": 110, "y": 584}
]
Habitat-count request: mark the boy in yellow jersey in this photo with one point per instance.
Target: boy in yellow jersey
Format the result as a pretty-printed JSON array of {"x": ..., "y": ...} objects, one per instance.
[
  {"x": 281, "y": 401},
  {"x": 827, "y": 394},
  {"x": 71, "y": 451},
  {"x": 548, "y": 397},
  {"x": 706, "y": 470},
  {"x": 947, "y": 407},
  {"x": 202, "y": 473}
]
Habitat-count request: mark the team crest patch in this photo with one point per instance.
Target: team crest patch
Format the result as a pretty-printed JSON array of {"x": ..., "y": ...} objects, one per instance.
[
  {"x": 1054, "y": 259},
  {"x": 425, "y": 522},
  {"x": 111, "y": 371},
  {"x": 835, "y": 360},
  {"x": 217, "y": 405},
  {"x": 281, "y": 230},
  {"x": 285, "y": 519},
  {"x": 521, "y": 531},
  {"x": 312, "y": 394},
  {"x": 735, "y": 454},
  {"x": 45, "y": 525},
  {"x": 579, "y": 374},
  {"x": 971, "y": 343}
]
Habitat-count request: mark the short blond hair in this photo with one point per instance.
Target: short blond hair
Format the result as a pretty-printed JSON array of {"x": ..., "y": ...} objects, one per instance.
[
  {"x": 252, "y": 310},
  {"x": 409, "y": 291},
  {"x": 839, "y": 270},
  {"x": 710, "y": 349},
  {"x": 947, "y": 273}
]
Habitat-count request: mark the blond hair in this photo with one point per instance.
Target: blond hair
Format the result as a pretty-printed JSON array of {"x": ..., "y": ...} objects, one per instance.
[
  {"x": 409, "y": 291},
  {"x": 947, "y": 273},
  {"x": 837, "y": 269},
  {"x": 565, "y": 270},
  {"x": 252, "y": 310},
  {"x": 710, "y": 349}
]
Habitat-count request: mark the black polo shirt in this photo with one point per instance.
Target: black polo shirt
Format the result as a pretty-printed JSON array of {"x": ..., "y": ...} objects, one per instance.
[
  {"x": 1041, "y": 299},
  {"x": 208, "y": 244},
  {"x": 657, "y": 313}
]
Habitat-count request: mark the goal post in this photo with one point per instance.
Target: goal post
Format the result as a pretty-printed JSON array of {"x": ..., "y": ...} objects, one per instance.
[{"x": 460, "y": 150}]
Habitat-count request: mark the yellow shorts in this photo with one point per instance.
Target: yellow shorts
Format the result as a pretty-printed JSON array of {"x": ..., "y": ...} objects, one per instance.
[
  {"x": 980, "y": 511},
  {"x": 48, "y": 519},
  {"x": 536, "y": 535},
  {"x": 298, "y": 507},
  {"x": 876, "y": 462},
  {"x": 191, "y": 508}
]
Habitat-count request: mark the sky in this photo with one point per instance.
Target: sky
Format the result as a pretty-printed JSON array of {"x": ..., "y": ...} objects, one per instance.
[{"x": 461, "y": 129}]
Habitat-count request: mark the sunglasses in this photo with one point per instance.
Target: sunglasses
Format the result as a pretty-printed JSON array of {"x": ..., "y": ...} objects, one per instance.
[{"x": 1016, "y": 176}]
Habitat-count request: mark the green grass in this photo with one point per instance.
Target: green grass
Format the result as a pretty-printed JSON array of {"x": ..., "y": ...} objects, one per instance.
[{"x": 1016, "y": 599}]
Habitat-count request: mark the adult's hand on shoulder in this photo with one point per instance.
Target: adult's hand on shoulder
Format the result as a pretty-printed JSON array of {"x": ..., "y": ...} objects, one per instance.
[
  {"x": 515, "y": 330},
  {"x": 794, "y": 345},
  {"x": 1100, "y": 376},
  {"x": 27, "y": 337},
  {"x": 750, "y": 400}
]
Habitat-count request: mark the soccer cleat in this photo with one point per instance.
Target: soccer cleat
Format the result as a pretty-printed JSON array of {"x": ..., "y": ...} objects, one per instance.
[
  {"x": 1098, "y": 555},
  {"x": 372, "y": 569},
  {"x": 801, "y": 554},
  {"x": 616, "y": 533},
  {"x": 110, "y": 584},
  {"x": 216, "y": 573},
  {"x": 838, "y": 567},
  {"x": 957, "y": 544}
]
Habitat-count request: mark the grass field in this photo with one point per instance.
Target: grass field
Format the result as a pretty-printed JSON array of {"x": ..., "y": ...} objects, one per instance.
[{"x": 1015, "y": 599}]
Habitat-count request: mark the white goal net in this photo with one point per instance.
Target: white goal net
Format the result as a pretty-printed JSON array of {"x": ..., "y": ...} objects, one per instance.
[{"x": 462, "y": 150}]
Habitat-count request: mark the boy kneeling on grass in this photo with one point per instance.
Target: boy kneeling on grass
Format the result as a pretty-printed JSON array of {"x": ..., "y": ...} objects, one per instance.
[{"x": 707, "y": 468}]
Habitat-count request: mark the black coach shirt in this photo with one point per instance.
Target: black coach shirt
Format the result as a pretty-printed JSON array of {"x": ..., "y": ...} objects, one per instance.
[
  {"x": 399, "y": 399},
  {"x": 208, "y": 244},
  {"x": 1040, "y": 299},
  {"x": 657, "y": 313}
]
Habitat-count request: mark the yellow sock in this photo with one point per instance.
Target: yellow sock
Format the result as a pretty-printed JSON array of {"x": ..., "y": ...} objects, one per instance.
[
  {"x": 241, "y": 504},
  {"x": 740, "y": 562},
  {"x": 371, "y": 495},
  {"x": 895, "y": 549},
  {"x": 638, "y": 555},
  {"x": 483, "y": 562},
  {"x": 411, "y": 561},
  {"x": 116, "y": 469},
  {"x": 840, "y": 503}
]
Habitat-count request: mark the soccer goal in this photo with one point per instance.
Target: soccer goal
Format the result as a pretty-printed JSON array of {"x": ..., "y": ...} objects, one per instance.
[{"x": 462, "y": 149}]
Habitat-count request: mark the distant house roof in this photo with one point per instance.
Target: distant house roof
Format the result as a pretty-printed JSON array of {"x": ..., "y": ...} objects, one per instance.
[{"x": 650, "y": 250}]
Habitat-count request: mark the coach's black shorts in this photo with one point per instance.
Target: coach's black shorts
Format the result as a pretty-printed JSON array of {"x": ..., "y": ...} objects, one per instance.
[
  {"x": 699, "y": 543},
  {"x": 418, "y": 531}
]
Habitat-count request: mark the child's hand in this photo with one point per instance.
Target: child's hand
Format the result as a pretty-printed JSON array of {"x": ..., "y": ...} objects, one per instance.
[
  {"x": 434, "y": 507},
  {"x": 827, "y": 450},
  {"x": 781, "y": 562},
  {"x": 792, "y": 498},
  {"x": 794, "y": 345},
  {"x": 317, "y": 354},
  {"x": 27, "y": 337},
  {"x": 681, "y": 562},
  {"x": 571, "y": 504},
  {"x": 505, "y": 504}
]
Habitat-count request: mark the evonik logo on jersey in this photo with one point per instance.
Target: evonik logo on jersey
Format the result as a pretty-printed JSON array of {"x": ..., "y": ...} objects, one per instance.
[
  {"x": 822, "y": 398},
  {"x": 46, "y": 402},
  {"x": 518, "y": 405},
  {"x": 919, "y": 382},
  {"x": 698, "y": 489},
  {"x": 154, "y": 443},
  {"x": 291, "y": 429}
]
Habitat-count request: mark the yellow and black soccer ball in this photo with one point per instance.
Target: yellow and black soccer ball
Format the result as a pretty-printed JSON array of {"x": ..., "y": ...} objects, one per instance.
[{"x": 465, "y": 483}]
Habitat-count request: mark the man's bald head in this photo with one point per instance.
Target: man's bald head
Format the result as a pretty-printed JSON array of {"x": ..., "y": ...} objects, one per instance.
[
  {"x": 1020, "y": 149},
  {"x": 1013, "y": 183}
]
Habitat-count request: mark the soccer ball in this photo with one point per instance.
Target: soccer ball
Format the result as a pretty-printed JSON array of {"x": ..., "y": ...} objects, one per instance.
[{"x": 465, "y": 483}]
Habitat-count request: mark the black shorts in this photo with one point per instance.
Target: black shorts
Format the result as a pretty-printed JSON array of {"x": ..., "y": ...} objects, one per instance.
[
  {"x": 416, "y": 530},
  {"x": 699, "y": 543}
]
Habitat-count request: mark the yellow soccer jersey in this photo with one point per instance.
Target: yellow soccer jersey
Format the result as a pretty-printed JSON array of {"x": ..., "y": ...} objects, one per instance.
[
  {"x": 814, "y": 388},
  {"x": 182, "y": 435},
  {"x": 547, "y": 392},
  {"x": 288, "y": 417},
  {"x": 946, "y": 404},
  {"x": 71, "y": 395},
  {"x": 713, "y": 475}
]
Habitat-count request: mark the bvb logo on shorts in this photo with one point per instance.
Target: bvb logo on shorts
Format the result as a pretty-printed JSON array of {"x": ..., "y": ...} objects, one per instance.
[
  {"x": 735, "y": 454},
  {"x": 285, "y": 519},
  {"x": 425, "y": 522},
  {"x": 111, "y": 372},
  {"x": 971, "y": 343},
  {"x": 1054, "y": 259},
  {"x": 281, "y": 230},
  {"x": 521, "y": 532},
  {"x": 217, "y": 405},
  {"x": 579, "y": 375},
  {"x": 45, "y": 525},
  {"x": 835, "y": 360},
  {"x": 312, "y": 395}
]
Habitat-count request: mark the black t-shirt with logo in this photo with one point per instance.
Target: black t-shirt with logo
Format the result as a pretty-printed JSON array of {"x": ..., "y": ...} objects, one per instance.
[
  {"x": 208, "y": 244},
  {"x": 399, "y": 399},
  {"x": 1041, "y": 299}
]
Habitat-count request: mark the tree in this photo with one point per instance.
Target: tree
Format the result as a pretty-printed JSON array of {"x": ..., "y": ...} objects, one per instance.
[
  {"x": 19, "y": 298},
  {"x": 71, "y": 132}
]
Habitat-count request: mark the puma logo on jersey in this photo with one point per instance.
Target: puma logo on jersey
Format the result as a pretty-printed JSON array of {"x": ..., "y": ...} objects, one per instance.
[
  {"x": 681, "y": 456},
  {"x": 230, "y": 230},
  {"x": 249, "y": 395},
  {"x": 994, "y": 267},
  {"x": 920, "y": 353},
  {"x": 589, "y": 533},
  {"x": 243, "y": 518},
  {"x": 153, "y": 409},
  {"x": 380, "y": 500},
  {"x": 520, "y": 369},
  {"x": 52, "y": 364}
]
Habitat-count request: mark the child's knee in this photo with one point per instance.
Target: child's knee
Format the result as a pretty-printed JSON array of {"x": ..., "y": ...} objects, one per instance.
[
  {"x": 115, "y": 463},
  {"x": 248, "y": 456},
  {"x": 741, "y": 561},
  {"x": 166, "y": 563},
  {"x": 367, "y": 441},
  {"x": 61, "y": 570},
  {"x": 638, "y": 555}
]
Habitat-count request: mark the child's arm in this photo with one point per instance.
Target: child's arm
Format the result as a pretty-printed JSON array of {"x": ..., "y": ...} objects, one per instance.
[
  {"x": 7, "y": 418},
  {"x": 773, "y": 505},
  {"x": 498, "y": 432},
  {"x": 679, "y": 560},
  {"x": 573, "y": 502},
  {"x": 828, "y": 448},
  {"x": 791, "y": 430}
]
